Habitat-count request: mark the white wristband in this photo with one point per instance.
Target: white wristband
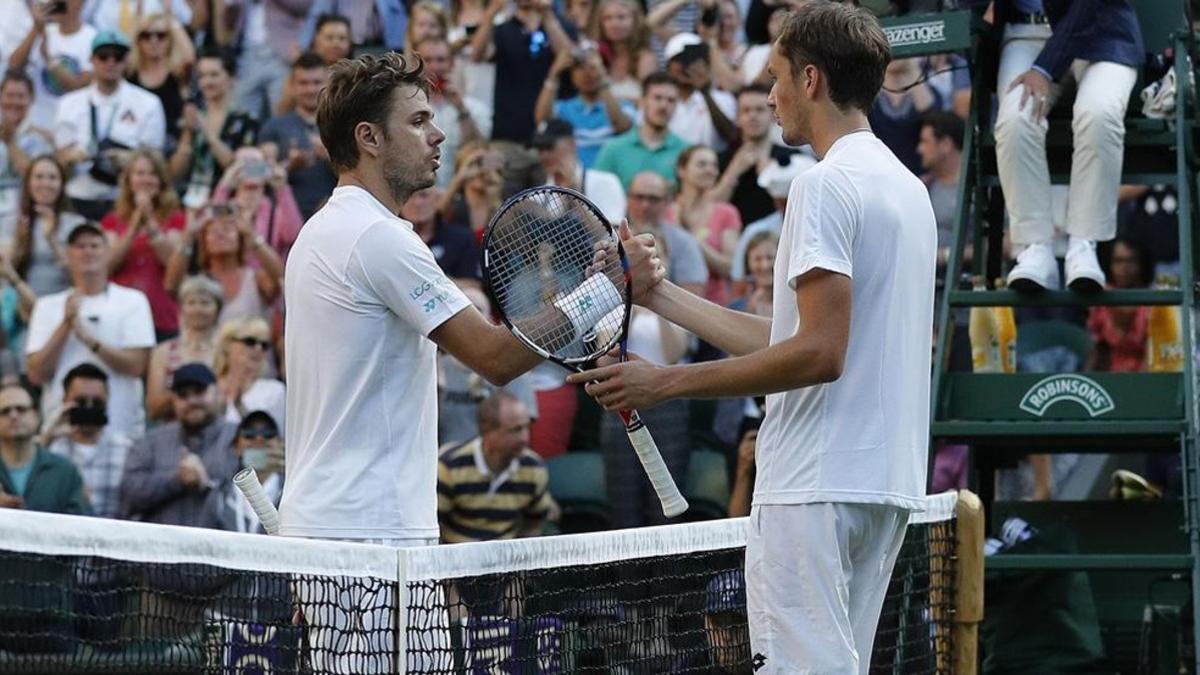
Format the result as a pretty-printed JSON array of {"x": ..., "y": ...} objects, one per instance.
[{"x": 591, "y": 301}]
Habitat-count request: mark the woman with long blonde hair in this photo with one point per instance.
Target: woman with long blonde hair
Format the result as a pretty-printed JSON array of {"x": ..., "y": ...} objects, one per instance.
[
  {"x": 623, "y": 40},
  {"x": 241, "y": 366},
  {"x": 160, "y": 62}
]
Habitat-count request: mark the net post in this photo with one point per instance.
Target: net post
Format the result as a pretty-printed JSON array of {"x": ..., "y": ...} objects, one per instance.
[
  {"x": 401, "y": 595},
  {"x": 968, "y": 601}
]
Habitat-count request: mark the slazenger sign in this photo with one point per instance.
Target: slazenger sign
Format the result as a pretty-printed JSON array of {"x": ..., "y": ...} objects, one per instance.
[
  {"x": 1077, "y": 389},
  {"x": 916, "y": 33}
]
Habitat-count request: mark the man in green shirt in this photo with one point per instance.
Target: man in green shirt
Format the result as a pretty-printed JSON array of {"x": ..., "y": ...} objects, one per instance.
[
  {"x": 649, "y": 146},
  {"x": 33, "y": 478}
]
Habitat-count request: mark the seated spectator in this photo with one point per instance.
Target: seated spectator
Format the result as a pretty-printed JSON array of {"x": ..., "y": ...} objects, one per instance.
[
  {"x": 55, "y": 52},
  {"x": 620, "y": 32},
  {"x": 1119, "y": 333},
  {"x": 776, "y": 179},
  {"x": 896, "y": 115},
  {"x": 241, "y": 365},
  {"x": 257, "y": 446},
  {"x": 452, "y": 245},
  {"x": 594, "y": 112},
  {"x": 494, "y": 487},
  {"x": 463, "y": 118},
  {"x": 21, "y": 140},
  {"x": 474, "y": 194},
  {"x": 143, "y": 231},
  {"x": 16, "y": 304},
  {"x": 726, "y": 649},
  {"x": 223, "y": 241},
  {"x": 40, "y": 240},
  {"x": 96, "y": 321},
  {"x": 714, "y": 224},
  {"x": 370, "y": 22},
  {"x": 331, "y": 38},
  {"x": 650, "y": 146},
  {"x": 210, "y": 136},
  {"x": 741, "y": 166},
  {"x": 1101, "y": 51},
  {"x": 97, "y": 127},
  {"x": 82, "y": 435},
  {"x": 292, "y": 139},
  {"x": 30, "y": 477},
  {"x": 760, "y": 270},
  {"x": 169, "y": 472},
  {"x": 680, "y": 251},
  {"x": 200, "y": 300},
  {"x": 161, "y": 63},
  {"x": 260, "y": 190},
  {"x": 705, "y": 114},
  {"x": 556, "y": 146}
]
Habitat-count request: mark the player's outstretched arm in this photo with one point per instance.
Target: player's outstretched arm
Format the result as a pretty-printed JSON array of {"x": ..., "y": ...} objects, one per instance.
[{"x": 484, "y": 347}]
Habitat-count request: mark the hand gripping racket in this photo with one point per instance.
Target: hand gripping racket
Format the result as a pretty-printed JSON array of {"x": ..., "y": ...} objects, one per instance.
[{"x": 561, "y": 281}]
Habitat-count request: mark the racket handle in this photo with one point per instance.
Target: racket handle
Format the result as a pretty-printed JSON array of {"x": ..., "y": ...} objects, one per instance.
[
  {"x": 673, "y": 502},
  {"x": 247, "y": 481}
]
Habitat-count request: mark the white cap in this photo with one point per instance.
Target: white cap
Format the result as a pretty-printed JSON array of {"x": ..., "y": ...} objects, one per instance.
[
  {"x": 678, "y": 41},
  {"x": 777, "y": 180}
]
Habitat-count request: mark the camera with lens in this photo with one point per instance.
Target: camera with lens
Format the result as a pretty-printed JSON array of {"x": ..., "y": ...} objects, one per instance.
[{"x": 88, "y": 412}]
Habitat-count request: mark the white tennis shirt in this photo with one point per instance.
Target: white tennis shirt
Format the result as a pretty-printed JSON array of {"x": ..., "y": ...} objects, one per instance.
[
  {"x": 363, "y": 293},
  {"x": 863, "y": 438}
]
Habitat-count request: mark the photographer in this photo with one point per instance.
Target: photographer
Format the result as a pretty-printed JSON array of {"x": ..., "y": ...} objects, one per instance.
[
  {"x": 99, "y": 126},
  {"x": 81, "y": 434},
  {"x": 704, "y": 114},
  {"x": 260, "y": 190}
]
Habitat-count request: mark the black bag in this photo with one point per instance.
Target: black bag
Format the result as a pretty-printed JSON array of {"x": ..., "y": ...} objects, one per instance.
[{"x": 105, "y": 167}]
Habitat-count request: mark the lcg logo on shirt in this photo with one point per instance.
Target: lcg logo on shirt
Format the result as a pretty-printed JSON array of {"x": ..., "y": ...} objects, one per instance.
[{"x": 428, "y": 294}]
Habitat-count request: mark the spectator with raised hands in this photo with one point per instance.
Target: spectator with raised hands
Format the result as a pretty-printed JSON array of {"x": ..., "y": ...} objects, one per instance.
[
  {"x": 715, "y": 224},
  {"x": 210, "y": 136},
  {"x": 896, "y": 115},
  {"x": 161, "y": 63},
  {"x": 291, "y": 139},
  {"x": 222, "y": 237},
  {"x": 119, "y": 15},
  {"x": 371, "y": 23},
  {"x": 463, "y": 118},
  {"x": 756, "y": 150},
  {"x": 259, "y": 188},
  {"x": 618, "y": 27},
  {"x": 241, "y": 363},
  {"x": 44, "y": 221},
  {"x": 556, "y": 147},
  {"x": 200, "y": 301},
  {"x": 594, "y": 112},
  {"x": 718, "y": 25},
  {"x": 143, "y": 231},
  {"x": 21, "y": 139},
  {"x": 55, "y": 53},
  {"x": 474, "y": 193},
  {"x": 704, "y": 114}
]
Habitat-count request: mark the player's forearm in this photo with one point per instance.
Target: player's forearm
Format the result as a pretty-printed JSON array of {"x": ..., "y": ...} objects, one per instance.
[
  {"x": 800, "y": 361},
  {"x": 732, "y": 332}
]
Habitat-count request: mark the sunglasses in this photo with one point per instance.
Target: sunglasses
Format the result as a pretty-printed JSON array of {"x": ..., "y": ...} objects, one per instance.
[
  {"x": 109, "y": 55},
  {"x": 153, "y": 35},
  {"x": 18, "y": 409},
  {"x": 253, "y": 342},
  {"x": 653, "y": 199},
  {"x": 264, "y": 433}
]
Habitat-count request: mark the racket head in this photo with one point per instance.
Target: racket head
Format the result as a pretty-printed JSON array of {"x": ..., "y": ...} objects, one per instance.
[{"x": 538, "y": 248}]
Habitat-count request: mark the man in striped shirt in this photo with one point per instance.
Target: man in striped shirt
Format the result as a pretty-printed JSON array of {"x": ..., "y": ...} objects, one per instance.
[{"x": 494, "y": 486}]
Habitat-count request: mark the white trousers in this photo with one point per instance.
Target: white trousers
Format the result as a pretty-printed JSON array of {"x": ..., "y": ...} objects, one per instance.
[
  {"x": 1098, "y": 124},
  {"x": 816, "y": 578}
]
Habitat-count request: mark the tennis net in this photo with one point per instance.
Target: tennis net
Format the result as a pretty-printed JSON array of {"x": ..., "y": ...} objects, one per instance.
[{"x": 82, "y": 595}]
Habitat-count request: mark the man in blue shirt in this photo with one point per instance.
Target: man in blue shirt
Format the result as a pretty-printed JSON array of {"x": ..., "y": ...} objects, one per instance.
[{"x": 595, "y": 114}]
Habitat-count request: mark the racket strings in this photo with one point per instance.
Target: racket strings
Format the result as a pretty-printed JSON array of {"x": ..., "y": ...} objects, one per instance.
[{"x": 543, "y": 273}]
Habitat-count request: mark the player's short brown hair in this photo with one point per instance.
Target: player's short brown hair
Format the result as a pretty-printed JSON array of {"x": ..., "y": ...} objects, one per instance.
[
  {"x": 360, "y": 90},
  {"x": 845, "y": 43}
]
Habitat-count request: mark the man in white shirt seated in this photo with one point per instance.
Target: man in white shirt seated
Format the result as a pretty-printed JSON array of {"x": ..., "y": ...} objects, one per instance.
[
  {"x": 98, "y": 126},
  {"x": 559, "y": 155}
]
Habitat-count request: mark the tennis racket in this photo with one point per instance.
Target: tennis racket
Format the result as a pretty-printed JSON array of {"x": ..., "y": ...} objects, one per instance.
[
  {"x": 561, "y": 281},
  {"x": 247, "y": 481}
]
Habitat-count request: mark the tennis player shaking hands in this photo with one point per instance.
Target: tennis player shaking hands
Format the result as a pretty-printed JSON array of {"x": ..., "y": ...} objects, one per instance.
[{"x": 843, "y": 359}]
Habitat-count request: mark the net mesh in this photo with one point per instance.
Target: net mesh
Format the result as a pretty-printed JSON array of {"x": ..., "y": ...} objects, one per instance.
[
  {"x": 541, "y": 264},
  {"x": 90, "y": 596}
]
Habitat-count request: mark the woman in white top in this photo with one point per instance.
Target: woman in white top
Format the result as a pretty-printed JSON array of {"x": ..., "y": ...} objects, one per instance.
[
  {"x": 40, "y": 241},
  {"x": 240, "y": 364}
]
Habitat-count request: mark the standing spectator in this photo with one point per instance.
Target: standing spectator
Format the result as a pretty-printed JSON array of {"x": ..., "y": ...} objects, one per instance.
[
  {"x": 1120, "y": 333},
  {"x": 580, "y": 12},
  {"x": 754, "y": 61},
  {"x": 210, "y": 137},
  {"x": 331, "y": 38},
  {"x": 594, "y": 113},
  {"x": 1099, "y": 46},
  {"x": 292, "y": 139},
  {"x": 369, "y": 22},
  {"x": 464, "y": 119},
  {"x": 30, "y": 477},
  {"x": 169, "y": 472},
  {"x": 161, "y": 62},
  {"x": 452, "y": 244},
  {"x": 426, "y": 19},
  {"x": 40, "y": 241},
  {"x": 620, "y": 32},
  {"x": 494, "y": 486},
  {"x": 240, "y": 363},
  {"x": 267, "y": 35},
  {"x": 704, "y": 114},
  {"x": 200, "y": 300},
  {"x": 477, "y": 77},
  {"x": 940, "y": 148},
  {"x": 714, "y": 224},
  {"x": 56, "y": 54},
  {"x": 648, "y": 200},
  {"x": 474, "y": 193},
  {"x": 20, "y": 141},
  {"x": 119, "y": 15},
  {"x": 523, "y": 49},
  {"x": 897, "y": 112},
  {"x": 82, "y": 436},
  {"x": 224, "y": 239},
  {"x": 650, "y": 146},
  {"x": 555, "y": 144},
  {"x": 17, "y": 20},
  {"x": 95, "y": 321},
  {"x": 98, "y": 126},
  {"x": 741, "y": 166},
  {"x": 143, "y": 231},
  {"x": 257, "y": 446},
  {"x": 260, "y": 191}
]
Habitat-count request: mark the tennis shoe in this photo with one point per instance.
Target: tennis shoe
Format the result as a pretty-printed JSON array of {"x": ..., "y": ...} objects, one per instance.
[
  {"x": 1036, "y": 270},
  {"x": 1083, "y": 269}
]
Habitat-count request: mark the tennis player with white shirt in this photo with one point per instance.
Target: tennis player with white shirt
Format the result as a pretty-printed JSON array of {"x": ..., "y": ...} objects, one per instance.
[{"x": 844, "y": 360}]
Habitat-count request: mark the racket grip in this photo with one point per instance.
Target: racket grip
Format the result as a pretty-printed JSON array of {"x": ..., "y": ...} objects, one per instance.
[
  {"x": 673, "y": 502},
  {"x": 247, "y": 481}
]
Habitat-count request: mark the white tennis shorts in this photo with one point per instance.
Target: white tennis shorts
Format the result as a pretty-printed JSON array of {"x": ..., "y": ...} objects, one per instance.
[{"x": 816, "y": 577}]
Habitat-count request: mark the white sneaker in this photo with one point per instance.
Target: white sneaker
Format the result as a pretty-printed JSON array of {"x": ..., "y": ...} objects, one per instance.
[
  {"x": 1036, "y": 270},
  {"x": 1083, "y": 269}
]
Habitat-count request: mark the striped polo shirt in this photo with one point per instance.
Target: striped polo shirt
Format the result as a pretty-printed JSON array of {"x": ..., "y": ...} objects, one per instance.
[{"x": 476, "y": 505}]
